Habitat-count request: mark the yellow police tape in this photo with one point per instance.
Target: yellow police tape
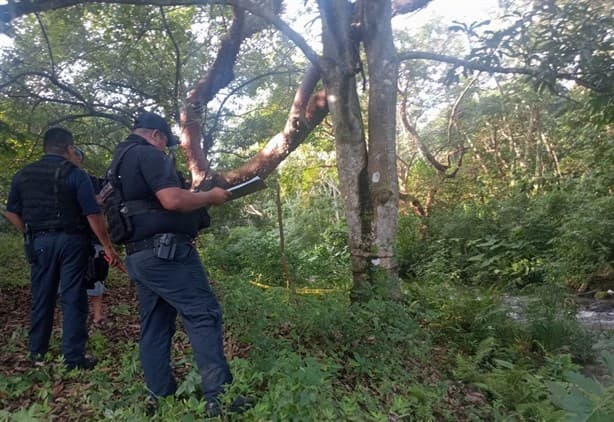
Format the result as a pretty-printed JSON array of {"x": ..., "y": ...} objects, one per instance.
[{"x": 303, "y": 290}]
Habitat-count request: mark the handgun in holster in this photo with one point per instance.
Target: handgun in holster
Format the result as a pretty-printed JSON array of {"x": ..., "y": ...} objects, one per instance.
[{"x": 165, "y": 245}]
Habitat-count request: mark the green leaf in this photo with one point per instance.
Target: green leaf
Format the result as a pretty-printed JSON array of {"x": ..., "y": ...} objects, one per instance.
[
  {"x": 571, "y": 401},
  {"x": 504, "y": 364},
  {"x": 608, "y": 358},
  {"x": 588, "y": 385}
]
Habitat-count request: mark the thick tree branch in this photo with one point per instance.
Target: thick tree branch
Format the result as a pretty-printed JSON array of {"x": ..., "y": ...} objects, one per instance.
[
  {"x": 16, "y": 8},
  {"x": 400, "y": 7},
  {"x": 219, "y": 75},
  {"x": 221, "y": 72},
  {"x": 302, "y": 118},
  {"x": 306, "y": 113}
]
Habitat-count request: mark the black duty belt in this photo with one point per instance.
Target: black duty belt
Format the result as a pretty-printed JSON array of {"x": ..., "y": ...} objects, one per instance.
[
  {"x": 56, "y": 230},
  {"x": 49, "y": 230},
  {"x": 150, "y": 242}
]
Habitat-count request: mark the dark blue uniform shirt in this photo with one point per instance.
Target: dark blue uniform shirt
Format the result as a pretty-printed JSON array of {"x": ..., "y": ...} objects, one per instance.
[
  {"x": 144, "y": 171},
  {"x": 77, "y": 181}
]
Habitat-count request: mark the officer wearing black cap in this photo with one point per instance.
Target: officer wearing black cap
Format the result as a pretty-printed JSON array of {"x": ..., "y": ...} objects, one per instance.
[
  {"x": 164, "y": 263},
  {"x": 53, "y": 202},
  {"x": 149, "y": 120}
]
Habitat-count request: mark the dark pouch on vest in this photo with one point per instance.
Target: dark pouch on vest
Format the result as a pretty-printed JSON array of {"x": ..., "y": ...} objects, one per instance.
[
  {"x": 204, "y": 220},
  {"x": 165, "y": 245},
  {"x": 119, "y": 224}
]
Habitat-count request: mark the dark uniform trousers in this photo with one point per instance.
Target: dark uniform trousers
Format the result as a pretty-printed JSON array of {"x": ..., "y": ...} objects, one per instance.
[
  {"x": 59, "y": 258},
  {"x": 168, "y": 287}
]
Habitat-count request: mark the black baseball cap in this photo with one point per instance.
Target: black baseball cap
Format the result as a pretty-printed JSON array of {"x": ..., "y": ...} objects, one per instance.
[{"x": 149, "y": 120}]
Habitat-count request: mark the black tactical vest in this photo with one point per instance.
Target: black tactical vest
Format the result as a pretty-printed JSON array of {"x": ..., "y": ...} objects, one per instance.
[{"x": 48, "y": 204}]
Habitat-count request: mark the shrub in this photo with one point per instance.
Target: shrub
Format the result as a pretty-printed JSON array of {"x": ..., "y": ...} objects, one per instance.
[
  {"x": 585, "y": 242},
  {"x": 585, "y": 399},
  {"x": 14, "y": 270}
]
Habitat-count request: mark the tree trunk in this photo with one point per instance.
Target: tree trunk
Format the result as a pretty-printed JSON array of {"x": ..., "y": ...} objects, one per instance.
[
  {"x": 339, "y": 67},
  {"x": 384, "y": 189},
  {"x": 367, "y": 173}
]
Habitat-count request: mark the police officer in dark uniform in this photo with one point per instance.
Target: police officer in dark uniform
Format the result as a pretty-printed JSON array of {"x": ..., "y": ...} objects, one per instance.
[
  {"x": 164, "y": 263},
  {"x": 52, "y": 202}
]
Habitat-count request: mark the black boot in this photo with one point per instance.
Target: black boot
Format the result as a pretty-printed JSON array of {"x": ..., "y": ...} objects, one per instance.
[
  {"x": 213, "y": 408},
  {"x": 241, "y": 404},
  {"x": 86, "y": 363}
]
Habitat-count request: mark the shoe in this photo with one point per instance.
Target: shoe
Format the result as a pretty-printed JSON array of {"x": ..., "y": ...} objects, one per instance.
[
  {"x": 213, "y": 408},
  {"x": 86, "y": 363},
  {"x": 151, "y": 407},
  {"x": 100, "y": 323},
  {"x": 241, "y": 404},
  {"x": 37, "y": 359}
]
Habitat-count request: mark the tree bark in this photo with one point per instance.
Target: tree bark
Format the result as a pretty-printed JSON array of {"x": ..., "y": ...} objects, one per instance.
[
  {"x": 219, "y": 75},
  {"x": 384, "y": 189},
  {"x": 340, "y": 63},
  {"x": 366, "y": 166}
]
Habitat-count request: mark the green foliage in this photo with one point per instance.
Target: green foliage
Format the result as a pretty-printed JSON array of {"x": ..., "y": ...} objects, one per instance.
[
  {"x": 316, "y": 251},
  {"x": 299, "y": 388},
  {"x": 524, "y": 240},
  {"x": 409, "y": 245},
  {"x": 14, "y": 271},
  {"x": 583, "y": 245},
  {"x": 13, "y": 149},
  {"x": 531, "y": 206},
  {"x": 583, "y": 398},
  {"x": 566, "y": 37},
  {"x": 509, "y": 360},
  {"x": 552, "y": 324},
  {"x": 249, "y": 252},
  {"x": 34, "y": 413},
  {"x": 333, "y": 358},
  {"x": 459, "y": 315},
  {"x": 323, "y": 358}
]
